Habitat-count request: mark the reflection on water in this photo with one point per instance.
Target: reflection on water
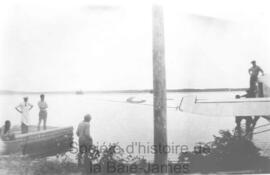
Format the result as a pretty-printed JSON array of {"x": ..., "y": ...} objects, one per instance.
[{"x": 116, "y": 121}]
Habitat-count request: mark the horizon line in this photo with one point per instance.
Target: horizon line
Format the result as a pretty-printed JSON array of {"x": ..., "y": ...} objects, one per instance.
[{"x": 122, "y": 91}]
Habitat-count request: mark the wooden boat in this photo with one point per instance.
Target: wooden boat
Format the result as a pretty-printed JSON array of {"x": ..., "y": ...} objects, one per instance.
[
  {"x": 43, "y": 143},
  {"x": 231, "y": 107}
]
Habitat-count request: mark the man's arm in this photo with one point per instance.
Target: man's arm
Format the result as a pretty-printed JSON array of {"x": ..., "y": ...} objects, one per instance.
[
  {"x": 77, "y": 132},
  {"x": 260, "y": 69},
  {"x": 18, "y": 109},
  {"x": 31, "y": 106},
  {"x": 249, "y": 71},
  {"x": 45, "y": 106}
]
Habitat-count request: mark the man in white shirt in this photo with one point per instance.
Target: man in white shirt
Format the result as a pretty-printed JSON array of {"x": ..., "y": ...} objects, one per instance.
[
  {"x": 42, "y": 112},
  {"x": 24, "y": 109}
]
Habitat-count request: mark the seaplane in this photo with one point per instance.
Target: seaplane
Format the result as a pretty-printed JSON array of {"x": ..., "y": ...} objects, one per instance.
[{"x": 257, "y": 106}]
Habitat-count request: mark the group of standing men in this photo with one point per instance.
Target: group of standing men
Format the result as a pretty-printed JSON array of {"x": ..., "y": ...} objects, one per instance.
[
  {"x": 24, "y": 109},
  {"x": 83, "y": 130}
]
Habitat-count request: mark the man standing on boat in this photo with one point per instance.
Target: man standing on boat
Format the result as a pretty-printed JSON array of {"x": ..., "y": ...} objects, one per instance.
[
  {"x": 42, "y": 112},
  {"x": 85, "y": 140},
  {"x": 254, "y": 72},
  {"x": 24, "y": 108}
]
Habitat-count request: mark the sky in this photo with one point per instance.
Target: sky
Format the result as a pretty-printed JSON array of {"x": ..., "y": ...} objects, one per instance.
[{"x": 107, "y": 45}]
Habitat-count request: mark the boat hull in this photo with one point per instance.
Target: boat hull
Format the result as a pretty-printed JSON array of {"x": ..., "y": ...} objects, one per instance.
[{"x": 40, "y": 144}]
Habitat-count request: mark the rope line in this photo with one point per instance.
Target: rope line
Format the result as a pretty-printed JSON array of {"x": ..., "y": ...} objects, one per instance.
[
  {"x": 259, "y": 132},
  {"x": 262, "y": 125}
]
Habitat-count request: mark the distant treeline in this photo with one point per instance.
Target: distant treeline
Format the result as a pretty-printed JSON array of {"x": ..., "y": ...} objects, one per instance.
[{"x": 121, "y": 91}]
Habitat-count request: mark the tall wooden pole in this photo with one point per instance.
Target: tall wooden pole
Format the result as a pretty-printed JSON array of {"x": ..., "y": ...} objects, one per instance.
[{"x": 159, "y": 83}]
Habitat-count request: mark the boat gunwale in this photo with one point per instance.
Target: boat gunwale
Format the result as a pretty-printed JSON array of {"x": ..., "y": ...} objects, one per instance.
[{"x": 43, "y": 133}]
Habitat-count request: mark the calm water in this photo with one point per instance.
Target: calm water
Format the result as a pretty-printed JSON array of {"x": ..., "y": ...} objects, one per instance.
[{"x": 116, "y": 121}]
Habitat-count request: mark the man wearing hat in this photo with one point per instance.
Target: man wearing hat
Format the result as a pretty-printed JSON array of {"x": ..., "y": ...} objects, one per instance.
[
  {"x": 254, "y": 72},
  {"x": 24, "y": 109}
]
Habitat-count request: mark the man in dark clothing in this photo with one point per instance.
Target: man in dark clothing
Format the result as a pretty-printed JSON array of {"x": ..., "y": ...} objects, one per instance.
[
  {"x": 254, "y": 72},
  {"x": 85, "y": 140}
]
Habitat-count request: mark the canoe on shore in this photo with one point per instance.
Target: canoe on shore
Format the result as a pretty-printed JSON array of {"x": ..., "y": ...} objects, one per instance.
[{"x": 43, "y": 143}]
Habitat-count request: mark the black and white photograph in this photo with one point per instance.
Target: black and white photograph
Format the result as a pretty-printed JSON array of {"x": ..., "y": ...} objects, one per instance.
[{"x": 129, "y": 87}]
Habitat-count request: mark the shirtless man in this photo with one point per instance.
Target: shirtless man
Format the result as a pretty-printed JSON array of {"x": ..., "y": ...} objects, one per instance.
[{"x": 42, "y": 112}]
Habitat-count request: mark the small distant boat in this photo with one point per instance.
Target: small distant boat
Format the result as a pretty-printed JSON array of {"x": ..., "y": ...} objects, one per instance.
[
  {"x": 135, "y": 100},
  {"x": 43, "y": 143},
  {"x": 80, "y": 92}
]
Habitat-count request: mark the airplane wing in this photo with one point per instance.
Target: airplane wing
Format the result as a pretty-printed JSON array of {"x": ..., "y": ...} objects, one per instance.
[{"x": 226, "y": 107}]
